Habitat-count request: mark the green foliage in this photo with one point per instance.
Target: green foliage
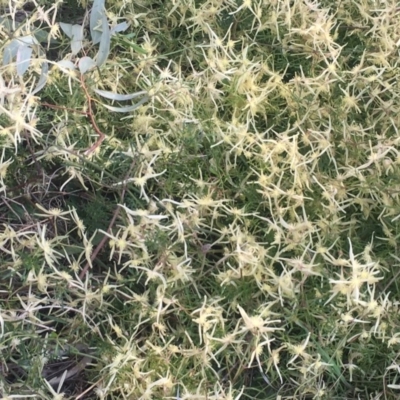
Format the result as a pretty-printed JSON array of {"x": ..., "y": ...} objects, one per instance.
[{"x": 203, "y": 196}]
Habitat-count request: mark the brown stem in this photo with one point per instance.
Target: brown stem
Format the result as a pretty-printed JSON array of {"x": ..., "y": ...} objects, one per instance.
[
  {"x": 101, "y": 135},
  {"x": 89, "y": 113}
]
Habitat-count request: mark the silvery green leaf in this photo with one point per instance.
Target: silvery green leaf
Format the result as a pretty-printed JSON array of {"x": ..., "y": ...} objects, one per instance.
[
  {"x": 128, "y": 108},
  {"x": 43, "y": 77},
  {"x": 77, "y": 38},
  {"x": 75, "y": 33},
  {"x": 67, "y": 29},
  {"x": 85, "y": 64},
  {"x": 393, "y": 386},
  {"x": 24, "y": 55},
  {"x": 119, "y": 97},
  {"x": 28, "y": 40},
  {"x": 66, "y": 64},
  {"x": 104, "y": 48},
  {"x": 96, "y": 16},
  {"x": 10, "y": 51},
  {"x": 123, "y": 26}
]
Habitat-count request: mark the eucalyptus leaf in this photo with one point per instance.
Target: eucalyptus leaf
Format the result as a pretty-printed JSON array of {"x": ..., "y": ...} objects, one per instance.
[
  {"x": 77, "y": 39},
  {"x": 10, "y": 51},
  {"x": 104, "y": 48},
  {"x": 67, "y": 29},
  {"x": 96, "y": 18},
  {"x": 28, "y": 40},
  {"x": 24, "y": 55},
  {"x": 43, "y": 78},
  {"x": 66, "y": 64},
  {"x": 117, "y": 96},
  {"x": 85, "y": 64},
  {"x": 75, "y": 33},
  {"x": 123, "y": 26},
  {"x": 128, "y": 108}
]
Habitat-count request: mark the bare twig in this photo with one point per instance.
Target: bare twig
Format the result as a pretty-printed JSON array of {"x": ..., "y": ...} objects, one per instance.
[
  {"x": 89, "y": 113},
  {"x": 101, "y": 135}
]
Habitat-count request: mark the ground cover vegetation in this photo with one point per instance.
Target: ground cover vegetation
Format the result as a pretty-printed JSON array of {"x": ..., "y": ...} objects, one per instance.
[{"x": 200, "y": 199}]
